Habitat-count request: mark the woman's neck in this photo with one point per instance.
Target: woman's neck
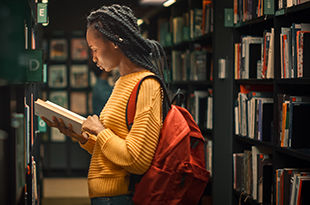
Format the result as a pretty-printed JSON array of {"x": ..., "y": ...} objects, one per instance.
[{"x": 126, "y": 67}]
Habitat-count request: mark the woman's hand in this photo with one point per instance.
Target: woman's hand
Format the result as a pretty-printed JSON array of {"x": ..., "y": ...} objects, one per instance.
[
  {"x": 92, "y": 125},
  {"x": 58, "y": 123}
]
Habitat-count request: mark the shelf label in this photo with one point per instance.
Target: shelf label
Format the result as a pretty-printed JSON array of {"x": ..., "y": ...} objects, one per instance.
[
  {"x": 42, "y": 13},
  {"x": 229, "y": 20},
  {"x": 280, "y": 12},
  {"x": 34, "y": 66},
  {"x": 41, "y": 125}
]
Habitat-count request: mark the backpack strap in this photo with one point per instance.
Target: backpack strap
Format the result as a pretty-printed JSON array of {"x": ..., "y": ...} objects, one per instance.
[{"x": 131, "y": 104}]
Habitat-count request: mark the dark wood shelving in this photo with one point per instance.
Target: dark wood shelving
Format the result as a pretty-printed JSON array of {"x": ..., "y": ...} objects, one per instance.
[
  {"x": 298, "y": 153},
  {"x": 294, "y": 9},
  {"x": 206, "y": 38},
  {"x": 254, "y": 142},
  {"x": 294, "y": 81},
  {"x": 255, "y": 81},
  {"x": 192, "y": 83},
  {"x": 260, "y": 20}
]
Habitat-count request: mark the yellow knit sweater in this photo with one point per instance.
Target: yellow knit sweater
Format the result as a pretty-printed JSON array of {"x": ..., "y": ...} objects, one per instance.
[{"x": 117, "y": 152}]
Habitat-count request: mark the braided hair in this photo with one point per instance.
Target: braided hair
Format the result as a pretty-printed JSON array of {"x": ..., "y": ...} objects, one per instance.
[{"x": 118, "y": 24}]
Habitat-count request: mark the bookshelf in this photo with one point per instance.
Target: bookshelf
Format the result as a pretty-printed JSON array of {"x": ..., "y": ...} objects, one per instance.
[
  {"x": 283, "y": 157},
  {"x": 189, "y": 50},
  {"x": 69, "y": 84},
  {"x": 20, "y": 79}
]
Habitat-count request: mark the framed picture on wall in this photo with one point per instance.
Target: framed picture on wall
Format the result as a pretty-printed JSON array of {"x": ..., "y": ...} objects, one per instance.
[
  {"x": 59, "y": 97},
  {"x": 57, "y": 76},
  {"x": 79, "y": 49},
  {"x": 79, "y": 76},
  {"x": 57, "y": 136},
  {"x": 58, "y": 49},
  {"x": 78, "y": 102}
]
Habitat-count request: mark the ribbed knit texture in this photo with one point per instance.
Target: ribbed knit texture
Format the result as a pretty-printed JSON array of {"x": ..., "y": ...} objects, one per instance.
[{"x": 115, "y": 151}]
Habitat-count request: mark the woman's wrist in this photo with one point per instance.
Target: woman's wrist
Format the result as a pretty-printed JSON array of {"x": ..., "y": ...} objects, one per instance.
[{"x": 84, "y": 138}]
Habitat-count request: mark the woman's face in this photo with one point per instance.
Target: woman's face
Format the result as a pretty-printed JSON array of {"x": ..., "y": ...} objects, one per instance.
[{"x": 105, "y": 54}]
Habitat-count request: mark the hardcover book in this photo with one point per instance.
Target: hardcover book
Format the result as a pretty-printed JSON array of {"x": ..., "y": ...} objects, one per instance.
[{"x": 48, "y": 109}]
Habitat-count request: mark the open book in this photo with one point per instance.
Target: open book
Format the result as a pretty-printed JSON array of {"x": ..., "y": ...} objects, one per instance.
[{"x": 48, "y": 109}]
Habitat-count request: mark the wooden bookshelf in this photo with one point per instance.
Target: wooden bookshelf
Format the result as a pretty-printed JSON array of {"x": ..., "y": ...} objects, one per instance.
[{"x": 282, "y": 156}]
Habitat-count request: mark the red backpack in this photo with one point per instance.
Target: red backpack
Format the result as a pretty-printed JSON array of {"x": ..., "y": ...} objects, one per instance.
[{"x": 177, "y": 174}]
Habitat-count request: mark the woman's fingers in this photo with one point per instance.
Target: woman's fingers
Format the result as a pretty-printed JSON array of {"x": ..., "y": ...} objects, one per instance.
[{"x": 49, "y": 123}]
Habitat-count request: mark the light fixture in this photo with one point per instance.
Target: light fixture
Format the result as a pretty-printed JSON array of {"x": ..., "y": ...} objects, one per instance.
[
  {"x": 151, "y": 2},
  {"x": 140, "y": 21},
  {"x": 168, "y": 3}
]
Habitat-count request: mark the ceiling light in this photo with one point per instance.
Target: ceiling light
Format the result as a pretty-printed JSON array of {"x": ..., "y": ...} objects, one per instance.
[
  {"x": 140, "y": 21},
  {"x": 169, "y": 3}
]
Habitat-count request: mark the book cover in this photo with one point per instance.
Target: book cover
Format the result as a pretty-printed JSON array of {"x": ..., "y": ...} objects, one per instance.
[
  {"x": 49, "y": 109},
  {"x": 79, "y": 49},
  {"x": 57, "y": 76},
  {"x": 58, "y": 49},
  {"x": 79, "y": 76},
  {"x": 78, "y": 102}
]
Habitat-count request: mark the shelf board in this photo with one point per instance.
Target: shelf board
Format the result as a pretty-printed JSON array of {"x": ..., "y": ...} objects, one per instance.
[
  {"x": 303, "y": 154},
  {"x": 206, "y": 38},
  {"x": 254, "y": 142},
  {"x": 261, "y": 19},
  {"x": 294, "y": 81},
  {"x": 255, "y": 81},
  {"x": 293, "y": 9},
  {"x": 192, "y": 83}
]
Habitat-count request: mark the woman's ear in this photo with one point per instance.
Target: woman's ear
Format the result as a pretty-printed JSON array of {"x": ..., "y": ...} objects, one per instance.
[{"x": 115, "y": 46}]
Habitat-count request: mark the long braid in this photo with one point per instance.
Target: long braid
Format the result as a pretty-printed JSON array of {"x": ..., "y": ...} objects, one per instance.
[{"x": 118, "y": 24}]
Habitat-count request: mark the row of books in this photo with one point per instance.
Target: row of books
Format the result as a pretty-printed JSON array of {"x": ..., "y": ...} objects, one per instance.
[
  {"x": 209, "y": 151},
  {"x": 252, "y": 172},
  {"x": 190, "y": 25},
  {"x": 195, "y": 65},
  {"x": 245, "y": 10},
  {"x": 295, "y": 47},
  {"x": 294, "y": 112},
  {"x": 289, "y": 3},
  {"x": 79, "y": 76},
  {"x": 254, "y": 57},
  {"x": 292, "y": 186},
  {"x": 254, "y": 115},
  {"x": 200, "y": 105}
]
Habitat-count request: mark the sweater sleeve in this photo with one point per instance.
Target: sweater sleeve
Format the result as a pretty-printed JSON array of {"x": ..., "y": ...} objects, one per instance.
[
  {"x": 89, "y": 145},
  {"x": 135, "y": 153}
]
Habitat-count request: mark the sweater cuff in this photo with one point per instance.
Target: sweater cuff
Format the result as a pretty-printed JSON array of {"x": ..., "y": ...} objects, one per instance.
[
  {"x": 104, "y": 136},
  {"x": 89, "y": 145}
]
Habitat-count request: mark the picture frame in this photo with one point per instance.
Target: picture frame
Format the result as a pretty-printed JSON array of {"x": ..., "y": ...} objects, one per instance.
[
  {"x": 79, "y": 49},
  {"x": 79, "y": 76},
  {"x": 57, "y": 76},
  {"x": 59, "y": 97},
  {"x": 57, "y": 136},
  {"x": 58, "y": 49},
  {"x": 78, "y": 102}
]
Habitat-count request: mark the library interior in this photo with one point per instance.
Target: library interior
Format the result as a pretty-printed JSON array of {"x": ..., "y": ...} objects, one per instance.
[{"x": 239, "y": 67}]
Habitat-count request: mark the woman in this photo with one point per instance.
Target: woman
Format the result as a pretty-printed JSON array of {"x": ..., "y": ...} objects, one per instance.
[{"x": 115, "y": 41}]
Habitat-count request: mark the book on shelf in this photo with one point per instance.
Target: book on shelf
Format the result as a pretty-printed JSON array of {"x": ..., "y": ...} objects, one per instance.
[
  {"x": 48, "y": 109},
  {"x": 292, "y": 186},
  {"x": 294, "y": 51},
  {"x": 253, "y": 173},
  {"x": 254, "y": 115},
  {"x": 293, "y": 111}
]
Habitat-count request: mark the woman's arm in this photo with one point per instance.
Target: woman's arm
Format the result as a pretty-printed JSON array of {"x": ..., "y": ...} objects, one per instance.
[{"x": 135, "y": 153}]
